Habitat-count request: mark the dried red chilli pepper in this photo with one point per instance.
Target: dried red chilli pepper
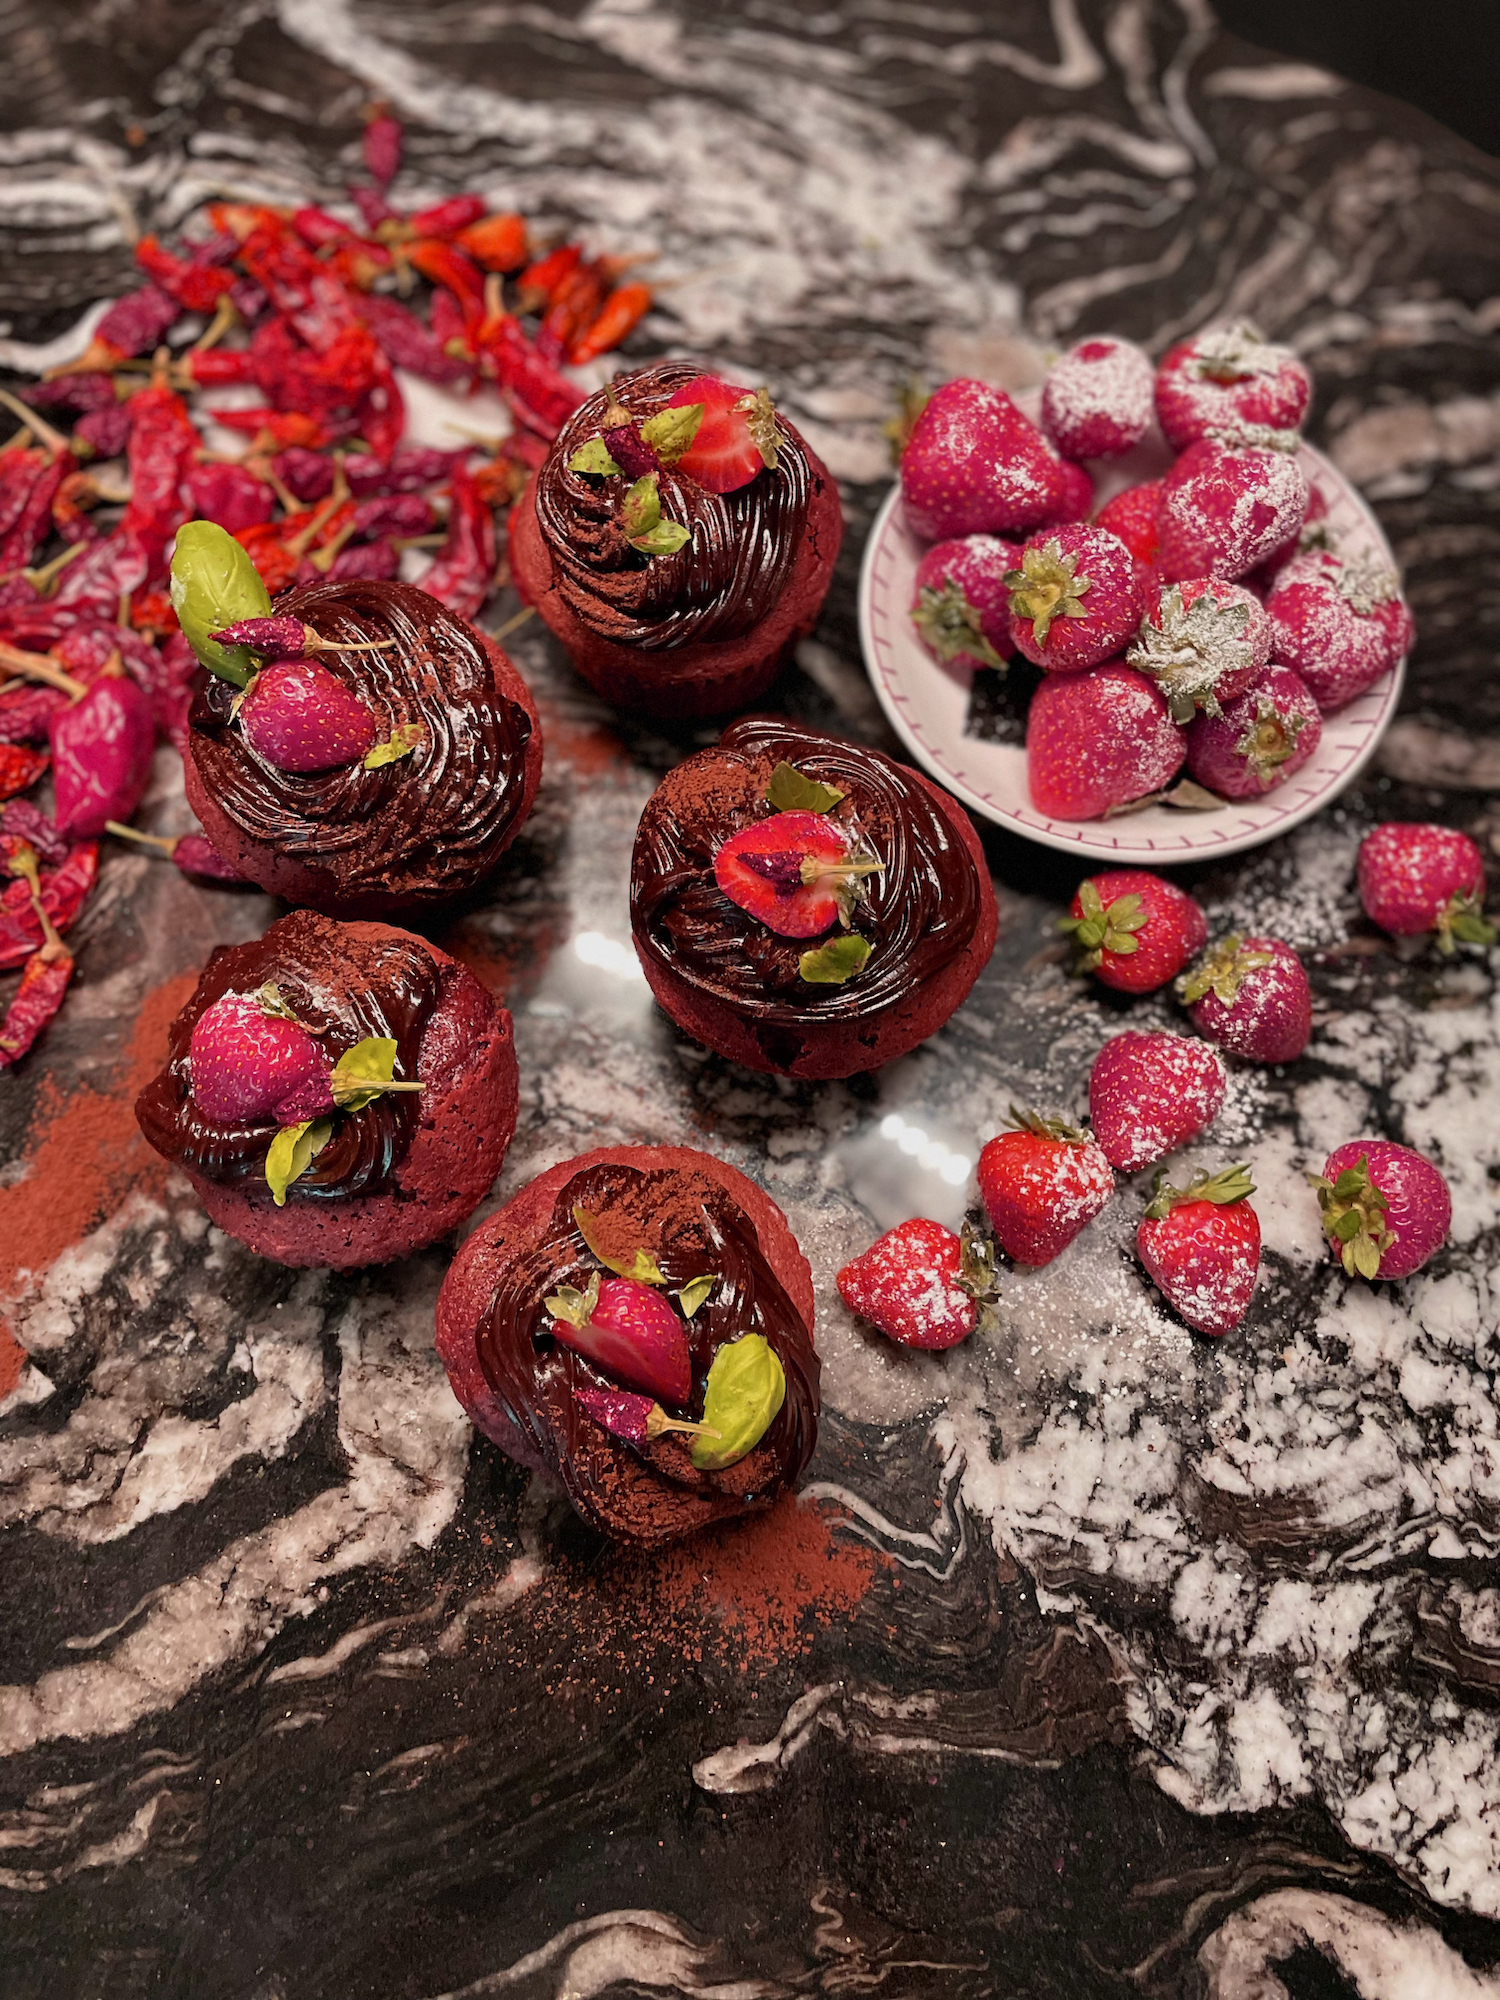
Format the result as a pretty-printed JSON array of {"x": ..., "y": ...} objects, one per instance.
[
  {"x": 540, "y": 396},
  {"x": 217, "y": 367},
  {"x": 95, "y": 391},
  {"x": 102, "y": 746},
  {"x": 621, "y": 312},
  {"x": 25, "y": 713},
  {"x": 463, "y": 570},
  {"x": 446, "y": 218},
  {"x": 105, "y": 432},
  {"x": 446, "y": 265},
  {"x": 193, "y": 853},
  {"x": 75, "y": 494},
  {"x": 163, "y": 445},
  {"x": 318, "y": 229},
  {"x": 45, "y": 978},
  {"x": 357, "y": 264},
  {"x": 276, "y": 565},
  {"x": 21, "y": 820},
  {"x": 113, "y": 567},
  {"x": 407, "y": 343},
  {"x": 539, "y": 282},
  {"x": 133, "y": 325},
  {"x": 496, "y": 243},
  {"x": 19, "y": 768},
  {"x": 276, "y": 430},
  {"x": 195, "y": 286},
  {"x": 227, "y": 494},
  {"x": 64, "y": 891},
  {"x": 575, "y": 304},
  {"x": 382, "y": 145},
  {"x": 373, "y": 207}
]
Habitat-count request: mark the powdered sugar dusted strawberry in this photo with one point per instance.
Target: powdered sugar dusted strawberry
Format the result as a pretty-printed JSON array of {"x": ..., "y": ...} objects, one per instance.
[
  {"x": 1232, "y": 384},
  {"x": 1224, "y": 511},
  {"x": 1149, "y": 1094},
  {"x": 796, "y": 872},
  {"x": 1251, "y": 996},
  {"x": 1202, "y": 642},
  {"x": 1386, "y": 1209},
  {"x": 1099, "y": 740},
  {"x": 1042, "y": 1183},
  {"x": 961, "y": 608},
  {"x": 1097, "y": 400},
  {"x": 300, "y": 717},
  {"x": 1340, "y": 623},
  {"x": 1134, "y": 930},
  {"x": 1201, "y": 1245},
  {"x": 1257, "y": 740},
  {"x": 1073, "y": 492},
  {"x": 974, "y": 464},
  {"x": 627, "y": 1330},
  {"x": 1134, "y": 517},
  {"x": 248, "y": 1060},
  {"x": 920, "y": 1284},
  {"x": 1416, "y": 877},
  {"x": 735, "y": 437},
  {"x": 1075, "y": 597}
]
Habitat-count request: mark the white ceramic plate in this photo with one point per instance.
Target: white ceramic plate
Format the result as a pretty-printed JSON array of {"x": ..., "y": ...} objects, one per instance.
[{"x": 927, "y": 702}]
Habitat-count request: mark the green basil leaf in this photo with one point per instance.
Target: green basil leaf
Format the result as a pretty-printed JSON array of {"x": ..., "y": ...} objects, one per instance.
[
  {"x": 642, "y": 508},
  {"x": 640, "y": 1266},
  {"x": 292, "y": 1152},
  {"x": 831, "y": 964},
  {"x": 402, "y": 740},
  {"x": 594, "y": 459},
  {"x": 745, "y": 1389},
  {"x": 670, "y": 432},
  {"x": 665, "y": 539},
  {"x": 790, "y": 791},
  {"x": 363, "y": 1072},
  {"x": 695, "y": 1293},
  {"x": 214, "y": 584}
]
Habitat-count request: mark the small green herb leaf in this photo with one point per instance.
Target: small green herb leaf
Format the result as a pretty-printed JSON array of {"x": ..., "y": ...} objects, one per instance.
[
  {"x": 746, "y": 1387},
  {"x": 665, "y": 539},
  {"x": 402, "y": 740},
  {"x": 573, "y": 1307},
  {"x": 831, "y": 964},
  {"x": 642, "y": 508},
  {"x": 214, "y": 584},
  {"x": 640, "y": 1266},
  {"x": 790, "y": 791},
  {"x": 594, "y": 459},
  {"x": 363, "y": 1072},
  {"x": 670, "y": 432},
  {"x": 292, "y": 1152},
  {"x": 695, "y": 1293},
  {"x": 268, "y": 999}
]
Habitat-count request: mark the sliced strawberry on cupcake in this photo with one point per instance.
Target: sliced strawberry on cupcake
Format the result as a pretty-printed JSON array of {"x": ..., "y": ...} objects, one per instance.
[
  {"x": 629, "y": 1331},
  {"x": 1075, "y": 598},
  {"x": 1416, "y": 877},
  {"x": 1233, "y": 384},
  {"x": 1201, "y": 1246},
  {"x": 1203, "y": 642},
  {"x": 1223, "y": 511},
  {"x": 1251, "y": 996},
  {"x": 1258, "y": 740},
  {"x": 796, "y": 872},
  {"x": 1149, "y": 1094},
  {"x": 920, "y": 1284},
  {"x": 961, "y": 607},
  {"x": 1386, "y": 1209},
  {"x": 734, "y": 437},
  {"x": 1042, "y": 1183},
  {"x": 1099, "y": 740},
  {"x": 1339, "y": 623}
]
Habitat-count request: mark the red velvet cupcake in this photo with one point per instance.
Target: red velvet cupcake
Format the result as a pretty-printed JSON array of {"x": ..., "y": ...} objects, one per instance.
[
  {"x": 679, "y": 559},
  {"x": 638, "y": 1322},
  {"x": 337, "y": 1094},
  {"x": 807, "y": 906},
  {"x": 373, "y": 832}
]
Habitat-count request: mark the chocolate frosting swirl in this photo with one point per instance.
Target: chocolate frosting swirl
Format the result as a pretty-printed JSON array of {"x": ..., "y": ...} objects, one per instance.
[
  {"x": 426, "y": 826},
  {"x": 720, "y": 583},
  {"x": 534, "y": 1375},
  {"x": 922, "y": 910},
  {"x": 343, "y": 987}
]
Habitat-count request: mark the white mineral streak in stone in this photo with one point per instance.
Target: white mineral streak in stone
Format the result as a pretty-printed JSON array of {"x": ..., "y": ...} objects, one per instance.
[
  {"x": 1383, "y": 1959},
  {"x": 617, "y": 1948}
]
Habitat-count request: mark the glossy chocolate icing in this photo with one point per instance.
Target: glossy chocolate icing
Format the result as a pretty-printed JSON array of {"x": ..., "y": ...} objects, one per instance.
[
  {"x": 342, "y": 987},
  {"x": 653, "y": 1485},
  {"x": 429, "y": 824},
  {"x": 720, "y": 583},
  {"x": 920, "y": 913}
]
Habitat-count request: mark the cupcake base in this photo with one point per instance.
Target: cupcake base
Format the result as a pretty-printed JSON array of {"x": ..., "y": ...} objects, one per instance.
[{"x": 688, "y": 683}]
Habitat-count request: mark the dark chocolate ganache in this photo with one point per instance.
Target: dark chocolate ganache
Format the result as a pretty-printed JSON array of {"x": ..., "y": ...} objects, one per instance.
[
  {"x": 720, "y": 583},
  {"x": 343, "y": 987},
  {"x": 429, "y": 824},
  {"x": 920, "y": 912},
  {"x": 695, "y": 1229}
]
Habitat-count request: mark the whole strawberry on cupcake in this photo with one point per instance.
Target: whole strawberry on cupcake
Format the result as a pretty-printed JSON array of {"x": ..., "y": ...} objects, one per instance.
[
  {"x": 679, "y": 539},
  {"x": 357, "y": 749},
  {"x": 337, "y": 1094},
  {"x": 804, "y": 905},
  {"x": 638, "y": 1323}
]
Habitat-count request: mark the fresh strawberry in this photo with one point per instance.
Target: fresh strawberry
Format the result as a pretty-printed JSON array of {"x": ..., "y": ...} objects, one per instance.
[
  {"x": 974, "y": 464},
  {"x": 1042, "y": 1183},
  {"x": 1202, "y": 642},
  {"x": 920, "y": 1284},
  {"x": 247, "y": 1064},
  {"x": 1134, "y": 930},
  {"x": 1251, "y": 996},
  {"x": 300, "y": 717},
  {"x": 1098, "y": 740},
  {"x": 1149, "y": 1094},
  {"x": 735, "y": 439},
  {"x": 1231, "y": 384},
  {"x": 1340, "y": 624},
  {"x": 1073, "y": 492},
  {"x": 1257, "y": 740},
  {"x": 630, "y": 1332},
  {"x": 1224, "y": 511},
  {"x": 1097, "y": 400},
  {"x": 1315, "y": 533},
  {"x": 1386, "y": 1209},
  {"x": 961, "y": 608},
  {"x": 1075, "y": 597},
  {"x": 1415, "y": 877},
  {"x": 1134, "y": 516},
  {"x": 795, "y": 871},
  {"x": 1201, "y": 1246}
]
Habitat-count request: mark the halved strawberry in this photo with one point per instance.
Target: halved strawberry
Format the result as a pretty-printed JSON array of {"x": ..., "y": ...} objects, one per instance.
[
  {"x": 630, "y": 1332},
  {"x": 736, "y": 434},
  {"x": 794, "y": 871}
]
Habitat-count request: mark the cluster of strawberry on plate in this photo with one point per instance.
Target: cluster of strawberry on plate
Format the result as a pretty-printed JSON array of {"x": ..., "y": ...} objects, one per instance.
[
  {"x": 1204, "y": 619},
  {"x": 1385, "y": 1209}
]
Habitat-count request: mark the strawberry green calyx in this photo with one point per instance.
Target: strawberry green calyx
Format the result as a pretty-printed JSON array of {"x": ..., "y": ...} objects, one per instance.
[
  {"x": 950, "y": 625},
  {"x": 1461, "y": 920},
  {"x": 845, "y": 881},
  {"x": 1222, "y": 971},
  {"x": 1236, "y": 353},
  {"x": 1189, "y": 650},
  {"x": 977, "y": 1275},
  {"x": 270, "y": 1001},
  {"x": 760, "y": 420},
  {"x": 1101, "y": 930},
  {"x": 791, "y": 790},
  {"x": 1269, "y": 740},
  {"x": 1354, "y": 1213},
  {"x": 912, "y": 399},
  {"x": 642, "y": 522},
  {"x": 1046, "y": 1128},
  {"x": 1045, "y": 587},
  {"x": 1366, "y": 583},
  {"x": 1232, "y": 1184}
]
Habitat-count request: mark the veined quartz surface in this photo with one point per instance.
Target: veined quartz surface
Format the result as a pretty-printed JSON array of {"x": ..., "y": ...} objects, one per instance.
[{"x": 1095, "y": 1658}]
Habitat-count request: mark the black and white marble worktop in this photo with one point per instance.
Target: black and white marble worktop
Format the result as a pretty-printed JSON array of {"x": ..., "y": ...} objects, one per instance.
[{"x": 1096, "y": 1659}]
